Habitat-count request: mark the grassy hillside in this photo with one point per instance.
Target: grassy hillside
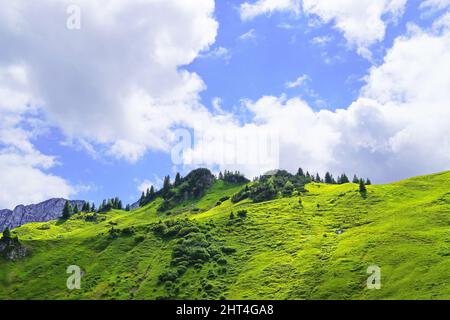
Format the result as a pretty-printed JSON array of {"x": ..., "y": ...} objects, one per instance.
[{"x": 279, "y": 250}]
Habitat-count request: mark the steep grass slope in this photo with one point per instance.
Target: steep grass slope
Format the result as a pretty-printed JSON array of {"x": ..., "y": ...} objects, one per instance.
[{"x": 281, "y": 249}]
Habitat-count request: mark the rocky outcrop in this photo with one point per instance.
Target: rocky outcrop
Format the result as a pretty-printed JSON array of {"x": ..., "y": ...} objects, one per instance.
[
  {"x": 135, "y": 205},
  {"x": 41, "y": 212},
  {"x": 11, "y": 249}
]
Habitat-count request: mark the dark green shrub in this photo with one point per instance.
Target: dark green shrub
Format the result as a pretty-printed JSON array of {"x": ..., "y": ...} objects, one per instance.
[
  {"x": 172, "y": 231},
  {"x": 241, "y": 195},
  {"x": 288, "y": 189},
  {"x": 91, "y": 217},
  {"x": 222, "y": 270},
  {"x": 211, "y": 275},
  {"x": 113, "y": 233},
  {"x": 187, "y": 230},
  {"x": 181, "y": 270},
  {"x": 160, "y": 229},
  {"x": 228, "y": 250},
  {"x": 208, "y": 286},
  {"x": 166, "y": 205},
  {"x": 242, "y": 213},
  {"x": 213, "y": 251},
  {"x": 168, "y": 285},
  {"x": 200, "y": 254},
  {"x": 169, "y": 275},
  {"x": 195, "y": 240},
  {"x": 139, "y": 239},
  {"x": 128, "y": 231}
]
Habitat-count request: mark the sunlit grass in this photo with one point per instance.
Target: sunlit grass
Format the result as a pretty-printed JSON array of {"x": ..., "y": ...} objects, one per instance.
[{"x": 283, "y": 250}]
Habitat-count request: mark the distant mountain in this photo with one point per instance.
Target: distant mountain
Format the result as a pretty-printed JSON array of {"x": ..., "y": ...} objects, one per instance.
[
  {"x": 135, "y": 205},
  {"x": 41, "y": 212}
]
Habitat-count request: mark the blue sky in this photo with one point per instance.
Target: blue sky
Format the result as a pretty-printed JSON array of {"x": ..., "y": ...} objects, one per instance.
[{"x": 72, "y": 139}]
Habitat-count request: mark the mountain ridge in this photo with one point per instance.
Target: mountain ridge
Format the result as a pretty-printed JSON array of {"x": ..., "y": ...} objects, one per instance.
[{"x": 45, "y": 211}]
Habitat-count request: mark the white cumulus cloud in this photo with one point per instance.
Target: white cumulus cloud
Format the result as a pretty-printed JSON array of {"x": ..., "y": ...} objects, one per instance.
[
  {"x": 398, "y": 127},
  {"x": 116, "y": 81},
  {"x": 362, "y": 22},
  {"x": 115, "y": 85},
  {"x": 24, "y": 178}
]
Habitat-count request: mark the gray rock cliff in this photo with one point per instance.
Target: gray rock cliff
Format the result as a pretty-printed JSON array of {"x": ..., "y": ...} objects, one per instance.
[
  {"x": 11, "y": 249},
  {"x": 41, "y": 212}
]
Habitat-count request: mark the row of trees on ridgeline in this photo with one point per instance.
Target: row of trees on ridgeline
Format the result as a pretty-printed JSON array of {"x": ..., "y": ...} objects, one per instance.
[
  {"x": 282, "y": 183},
  {"x": 232, "y": 177},
  {"x": 266, "y": 187},
  {"x": 167, "y": 191},
  {"x": 329, "y": 179},
  {"x": 105, "y": 206}
]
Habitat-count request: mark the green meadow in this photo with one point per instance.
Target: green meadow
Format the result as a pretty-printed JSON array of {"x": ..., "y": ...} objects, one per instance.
[{"x": 316, "y": 248}]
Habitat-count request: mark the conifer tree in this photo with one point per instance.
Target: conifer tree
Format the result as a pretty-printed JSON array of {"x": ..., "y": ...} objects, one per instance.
[
  {"x": 6, "y": 234},
  {"x": 109, "y": 205},
  {"x": 355, "y": 179},
  {"x": 344, "y": 179},
  {"x": 142, "y": 199},
  {"x": 166, "y": 185},
  {"x": 308, "y": 176},
  {"x": 177, "y": 180},
  {"x": 67, "y": 210},
  {"x": 328, "y": 178},
  {"x": 362, "y": 186},
  {"x": 152, "y": 193}
]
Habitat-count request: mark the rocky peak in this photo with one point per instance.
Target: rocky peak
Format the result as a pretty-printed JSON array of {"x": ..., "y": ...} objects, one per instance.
[{"x": 41, "y": 212}]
